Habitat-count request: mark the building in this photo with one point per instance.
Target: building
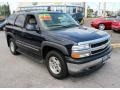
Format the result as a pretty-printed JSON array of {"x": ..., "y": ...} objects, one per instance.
[{"x": 71, "y": 8}]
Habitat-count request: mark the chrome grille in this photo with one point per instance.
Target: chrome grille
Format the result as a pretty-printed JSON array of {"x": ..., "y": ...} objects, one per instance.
[
  {"x": 97, "y": 46},
  {"x": 100, "y": 46},
  {"x": 99, "y": 51}
]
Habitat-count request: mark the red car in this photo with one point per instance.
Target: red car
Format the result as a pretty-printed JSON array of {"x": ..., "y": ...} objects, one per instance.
[
  {"x": 102, "y": 23},
  {"x": 116, "y": 24}
]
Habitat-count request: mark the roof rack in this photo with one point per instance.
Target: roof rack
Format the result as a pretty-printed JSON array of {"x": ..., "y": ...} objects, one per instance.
[
  {"x": 30, "y": 10},
  {"x": 35, "y": 10}
]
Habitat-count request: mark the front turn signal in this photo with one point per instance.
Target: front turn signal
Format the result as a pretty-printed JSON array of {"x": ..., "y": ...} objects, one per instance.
[{"x": 75, "y": 55}]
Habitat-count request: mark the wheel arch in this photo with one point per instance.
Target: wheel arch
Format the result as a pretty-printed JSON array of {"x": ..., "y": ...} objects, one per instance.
[
  {"x": 48, "y": 46},
  {"x": 9, "y": 35}
]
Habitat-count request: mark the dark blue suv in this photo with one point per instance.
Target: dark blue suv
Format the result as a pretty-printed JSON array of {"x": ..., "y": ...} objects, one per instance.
[{"x": 64, "y": 45}]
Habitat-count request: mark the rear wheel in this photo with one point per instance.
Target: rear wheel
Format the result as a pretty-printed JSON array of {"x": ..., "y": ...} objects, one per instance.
[
  {"x": 101, "y": 27},
  {"x": 13, "y": 46},
  {"x": 56, "y": 65}
]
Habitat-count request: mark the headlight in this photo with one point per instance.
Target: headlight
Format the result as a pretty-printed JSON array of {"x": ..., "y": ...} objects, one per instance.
[
  {"x": 79, "y": 51},
  {"x": 81, "y": 47}
]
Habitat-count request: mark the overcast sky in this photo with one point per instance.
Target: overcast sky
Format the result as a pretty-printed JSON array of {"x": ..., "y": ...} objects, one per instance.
[{"x": 112, "y": 6}]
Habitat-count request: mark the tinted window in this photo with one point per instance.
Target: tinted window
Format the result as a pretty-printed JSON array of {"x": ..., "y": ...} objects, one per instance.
[
  {"x": 20, "y": 21},
  {"x": 11, "y": 19},
  {"x": 30, "y": 23}
]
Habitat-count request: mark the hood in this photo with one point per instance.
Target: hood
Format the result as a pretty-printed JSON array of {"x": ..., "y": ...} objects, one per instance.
[{"x": 80, "y": 34}]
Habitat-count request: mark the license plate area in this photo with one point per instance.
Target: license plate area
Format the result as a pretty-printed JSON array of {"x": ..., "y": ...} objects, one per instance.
[{"x": 105, "y": 58}]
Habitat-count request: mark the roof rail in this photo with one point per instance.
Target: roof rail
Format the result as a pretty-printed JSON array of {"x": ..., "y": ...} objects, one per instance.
[{"x": 30, "y": 10}]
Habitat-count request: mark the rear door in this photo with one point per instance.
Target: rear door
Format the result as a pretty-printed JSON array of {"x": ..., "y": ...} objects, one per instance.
[{"x": 18, "y": 29}]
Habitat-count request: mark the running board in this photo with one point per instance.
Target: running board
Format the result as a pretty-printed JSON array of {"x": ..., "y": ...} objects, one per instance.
[{"x": 31, "y": 55}]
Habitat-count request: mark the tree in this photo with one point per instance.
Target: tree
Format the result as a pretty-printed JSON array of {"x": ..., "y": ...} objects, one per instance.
[
  {"x": 89, "y": 12},
  {"x": 5, "y": 10}
]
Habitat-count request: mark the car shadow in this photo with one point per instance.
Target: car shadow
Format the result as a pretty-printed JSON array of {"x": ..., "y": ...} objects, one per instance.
[{"x": 85, "y": 73}]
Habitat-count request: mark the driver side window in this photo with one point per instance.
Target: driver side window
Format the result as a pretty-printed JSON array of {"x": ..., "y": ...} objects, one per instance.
[{"x": 31, "y": 23}]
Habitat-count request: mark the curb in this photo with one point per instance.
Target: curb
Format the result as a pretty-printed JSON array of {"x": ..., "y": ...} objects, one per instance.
[{"x": 116, "y": 45}]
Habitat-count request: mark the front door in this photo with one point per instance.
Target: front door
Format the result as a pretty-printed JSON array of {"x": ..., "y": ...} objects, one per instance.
[{"x": 31, "y": 38}]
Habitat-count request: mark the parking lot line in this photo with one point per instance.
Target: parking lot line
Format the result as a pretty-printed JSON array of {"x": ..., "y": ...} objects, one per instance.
[{"x": 116, "y": 45}]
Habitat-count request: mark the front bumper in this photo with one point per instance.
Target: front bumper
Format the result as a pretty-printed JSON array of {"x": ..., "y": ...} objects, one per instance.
[
  {"x": 94, "y": 25},
  {"x": 116, "y": 28},
  {"x": 77, "y": 66}
]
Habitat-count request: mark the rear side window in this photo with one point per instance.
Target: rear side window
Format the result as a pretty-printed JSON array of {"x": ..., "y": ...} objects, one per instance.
[
  {"x": 11, "y": 19},
  {"x": 20, "y": 21}
]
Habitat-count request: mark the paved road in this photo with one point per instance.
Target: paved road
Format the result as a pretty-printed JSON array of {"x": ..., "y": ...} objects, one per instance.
[{"x": 23, "y": 71}]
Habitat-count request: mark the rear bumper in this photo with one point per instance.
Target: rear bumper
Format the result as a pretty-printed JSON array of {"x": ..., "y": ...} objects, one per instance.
[{"x": 77, "y": 66}]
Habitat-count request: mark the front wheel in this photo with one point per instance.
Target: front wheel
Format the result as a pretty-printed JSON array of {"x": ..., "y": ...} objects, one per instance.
[
  {"x": 56, "y": 64},
  {"x": 101, "y": 27}
]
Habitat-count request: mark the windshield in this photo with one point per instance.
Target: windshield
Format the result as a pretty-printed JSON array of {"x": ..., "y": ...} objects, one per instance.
[{"x": 54, "y": 21}]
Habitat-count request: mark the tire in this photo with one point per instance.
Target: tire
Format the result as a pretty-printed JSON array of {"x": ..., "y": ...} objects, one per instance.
[
  {"x": 55, "y": 59},
  {"x": 101, "y": 27},
  {"x": 13, "y": 46}
]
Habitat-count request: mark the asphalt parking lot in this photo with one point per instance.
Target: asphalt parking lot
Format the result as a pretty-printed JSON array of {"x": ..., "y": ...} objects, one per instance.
[{"x": 24, "y": 71}]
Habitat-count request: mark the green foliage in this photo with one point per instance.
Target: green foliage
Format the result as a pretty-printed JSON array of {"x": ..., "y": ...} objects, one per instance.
[
  {"x": 89, "y": 12},
  {"x": 4, "y": 10}
]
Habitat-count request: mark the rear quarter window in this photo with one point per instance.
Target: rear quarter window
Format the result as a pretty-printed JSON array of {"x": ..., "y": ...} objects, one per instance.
[
  {"x": 20, "y": 20},
  {"x": 11, "y": 19}
]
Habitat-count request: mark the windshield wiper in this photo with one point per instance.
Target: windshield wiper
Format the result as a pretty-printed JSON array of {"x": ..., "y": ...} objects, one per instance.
[
  {"x": 65, "y": 26},
  {"x": 54, "y": 25},
  {"x": 71, "y": 25}
]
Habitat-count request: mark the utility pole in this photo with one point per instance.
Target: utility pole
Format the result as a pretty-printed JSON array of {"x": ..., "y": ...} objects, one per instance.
[
  {"x": 85, "y": 8},
  {"x": 104, "y": 9},
  {"x": 99, "y": 9},
  {"x": 99, "y": 5},
  {"x": 65, "y": 7}
]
